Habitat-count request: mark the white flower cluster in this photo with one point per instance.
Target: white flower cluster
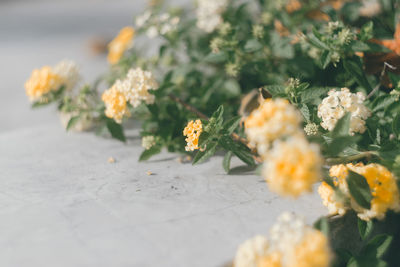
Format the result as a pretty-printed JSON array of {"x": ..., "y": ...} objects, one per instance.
[
  {"x": 136, "y": 87},
  {"x": 68, "y": 71},
  {"x": 251, "y": 251},
  {"x": 291, "y": 243},
  {"x": 209, "y": 14},
  {"x": 335, "y": 106},
  {"x": 157, "y": 25},
  {"x": 148, "y": 141}
]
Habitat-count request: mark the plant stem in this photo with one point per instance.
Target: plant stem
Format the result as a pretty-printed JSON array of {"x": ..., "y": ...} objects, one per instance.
[{"x": 366, "y": 154}]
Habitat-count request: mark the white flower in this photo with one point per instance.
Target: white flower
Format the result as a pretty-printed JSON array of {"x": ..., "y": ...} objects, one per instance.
[
  {"x": 136, "y": 87},
  {"x": 148, "y": 141},
  {"x": 142, "y": 19},
  {"x": 337, "y": 103},
  {"x": 152, "y": 32},
  {"x": 250, "y": 252},
  {"x": 68, "y": 71},
  {"x": 209, "y": 14}
]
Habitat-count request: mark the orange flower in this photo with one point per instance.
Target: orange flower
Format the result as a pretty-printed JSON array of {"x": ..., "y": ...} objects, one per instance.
[{"x": 392, "y": 44}]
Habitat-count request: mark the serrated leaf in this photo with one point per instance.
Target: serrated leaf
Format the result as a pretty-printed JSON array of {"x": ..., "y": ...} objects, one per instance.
[
  {"x": 240, "y": 150},
  {"x": 147, "y": 154},
  {"x": 230, "y": 125},
  {"x": 342, "y": 126},
  {"x": 315, "y": 41},
  {"x": 275, "y": 90},
  {"x": 305, "y": 112},
  {"x": 115, "y": 130},
  {"x": 359, "y": 189},
  {"x": 209, "y": 151},
  {"x": 396, "y": 125},
  {"x": 322, "y": 225},
  {"x": 378, "y": 245},
  {"x": 72, "y": 122},
  {"x": 354, "y": 68},
  {"x": 325, "y": 58},
  {"x": 226, "y": 163},
  {"x": 340, "y": 143},
  {"x": 365, "y": 228},
  {"x": 216, "y": 57},
  {"x": 313, "y": 93},
  {"x": 252, "y": 45}
]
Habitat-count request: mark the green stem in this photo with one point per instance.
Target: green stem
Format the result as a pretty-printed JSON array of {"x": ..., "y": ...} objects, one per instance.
[{"x": 366, "y": 154}]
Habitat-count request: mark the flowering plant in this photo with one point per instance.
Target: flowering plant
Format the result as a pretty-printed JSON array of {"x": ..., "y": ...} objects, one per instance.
[{"x": 306, "y": 90}]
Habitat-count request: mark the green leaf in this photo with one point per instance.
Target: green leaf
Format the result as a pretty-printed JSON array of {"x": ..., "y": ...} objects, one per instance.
[
  {"x": 275, "y": 90},
  {"x": 252, "y": 45},
  {"x": 305, "y": 112},
  {"x": 232, "y": 87},
  {"x": 115, "y": 130},
  {"x": 340, "y": 143},
  {"x": 240, "y": 150},
  {"x": 209, "y": 151},
  {"x": 396, "y": 125},
  {"x": 311, "y": 94},
  {"x": 378, "y": 245},
  {"x": 231, "y": 125},
  {"x": 367, "y": 31},
  {"x": 226, "y": 163},
  {"x": 315, "y": 41},
  {"x": 217, "y": 119},
  {"x": 365, "y": 228},
  {"x": 147, "y": 154},
  {"x": 325, "y": 58},
  {"x": 322, "y": 225},
  {"x": 342, "y": 126},
  {"x": 216, "y": 57},
  {"x": 358, "y": 46},
  {"x": 72, "y": 121},
  {"x": 359, "y": 189},
  {"x": 354, "y": 68}
]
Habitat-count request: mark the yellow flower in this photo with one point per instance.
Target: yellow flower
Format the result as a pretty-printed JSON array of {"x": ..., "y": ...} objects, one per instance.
[
  {"x": 291, "y": 243},
  {"x": 382, "y": 183},
  {"x": 274, "y": 259},
  {"x": 192, "y": 132},
  {"x": 330, "y": 200},
  {"x": 41, "y": 82},
  {"x": 292, "y": 166},
  {"x": 120, "y": 44},
  {"x": 273, "y": 119},
  {"x": 312, "y": 251},
  {"x": 115, "y": 101}
]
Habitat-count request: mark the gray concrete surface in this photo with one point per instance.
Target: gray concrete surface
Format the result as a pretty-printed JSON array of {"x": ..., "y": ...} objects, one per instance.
[{"x": 62, "y": 203}]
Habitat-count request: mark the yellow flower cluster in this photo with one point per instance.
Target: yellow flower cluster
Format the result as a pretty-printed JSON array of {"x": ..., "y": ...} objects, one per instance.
[
  {"x": 273, "y": 119},
  {"x": 292, "y": 244},
  {"x": 291, "y": 164},
  {"x": 47, "y": 79},
  {"x": 41, "y": 82},
  {"x": 192, "y": 132},
  {"x": 133, "y": 89},
  {"x": 382, "y": 183},
  {"x": 120, "y": 44},
  {"x": 116, "y": 104}
]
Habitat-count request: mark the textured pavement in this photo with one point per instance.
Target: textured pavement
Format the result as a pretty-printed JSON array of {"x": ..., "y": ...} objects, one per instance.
[{"x": 63, "y": 204}]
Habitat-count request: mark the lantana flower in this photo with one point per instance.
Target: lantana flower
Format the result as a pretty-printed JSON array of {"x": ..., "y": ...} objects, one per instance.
[
  {"x": 292, "y": 166},
  {"x": 209, "y": 14},
  {"x": 382, "y": 183},
  {"x": 292, "y": 243},
  {"x": 192, "y": 132},
  {"x": 120, "y": 44},
  {"x": 335, "y": 106}
]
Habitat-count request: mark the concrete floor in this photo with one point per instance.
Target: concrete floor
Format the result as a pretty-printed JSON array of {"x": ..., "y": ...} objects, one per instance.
[{"x": 62, "y": 203}]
